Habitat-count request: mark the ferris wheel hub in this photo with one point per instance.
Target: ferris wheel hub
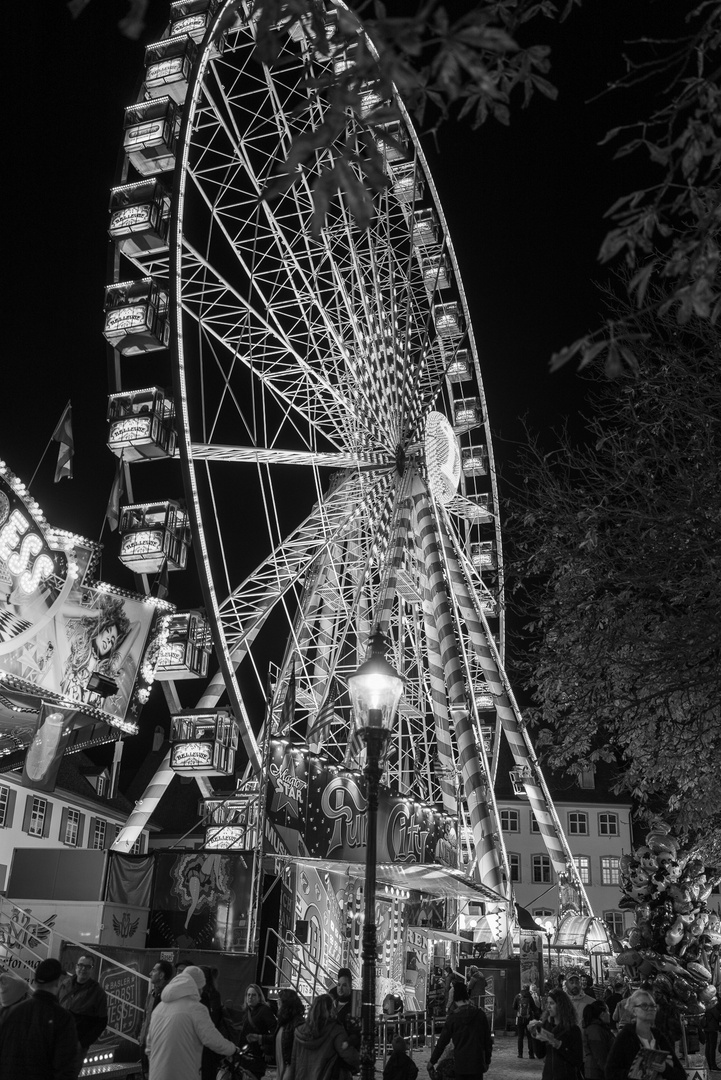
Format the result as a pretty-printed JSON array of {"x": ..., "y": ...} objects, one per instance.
[{"x": 443, "y": 458}]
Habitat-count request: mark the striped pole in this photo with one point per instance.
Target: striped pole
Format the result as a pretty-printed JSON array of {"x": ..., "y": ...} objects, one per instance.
[
  {"x": 512, "y": 723},
  {"x": 145, "y": 807},
  {"x": 447, "y": 679}
]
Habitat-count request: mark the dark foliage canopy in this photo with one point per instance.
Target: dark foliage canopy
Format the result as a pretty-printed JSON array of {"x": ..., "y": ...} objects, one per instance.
[{"x": 617, "y": 569}]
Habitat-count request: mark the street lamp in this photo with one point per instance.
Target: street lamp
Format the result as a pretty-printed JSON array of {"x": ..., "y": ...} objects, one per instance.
[
  {"x": 549, "y": 932},
  {"x": 375, "y": 691}
]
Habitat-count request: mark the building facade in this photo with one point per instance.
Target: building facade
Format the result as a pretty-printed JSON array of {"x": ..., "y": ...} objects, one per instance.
[{"x": 77, "y": 814}]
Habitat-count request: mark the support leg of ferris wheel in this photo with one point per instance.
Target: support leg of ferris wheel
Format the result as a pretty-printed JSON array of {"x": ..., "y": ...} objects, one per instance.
[
  {"x": 511, "y": 720},
  {"x": 441, "y": 626}
]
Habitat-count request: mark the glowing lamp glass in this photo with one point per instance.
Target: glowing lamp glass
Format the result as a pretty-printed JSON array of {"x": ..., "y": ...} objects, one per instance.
[{"x": 375, "y": 690}]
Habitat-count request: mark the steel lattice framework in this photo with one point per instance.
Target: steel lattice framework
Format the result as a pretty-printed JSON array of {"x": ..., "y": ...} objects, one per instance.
[{"x": 305, "y": 370}]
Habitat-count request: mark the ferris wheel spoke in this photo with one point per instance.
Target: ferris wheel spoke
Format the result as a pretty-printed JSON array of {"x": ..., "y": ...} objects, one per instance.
[
  {"x": 261, "y": 455},
  {"x": 272, "y": 358},
  {"x": 245, "y": 610}
]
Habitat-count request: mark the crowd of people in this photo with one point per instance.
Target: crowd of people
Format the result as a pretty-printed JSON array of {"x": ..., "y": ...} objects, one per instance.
[
  {"x": 625, "y": 1032},
  {"x": 47, "y": 1026}
]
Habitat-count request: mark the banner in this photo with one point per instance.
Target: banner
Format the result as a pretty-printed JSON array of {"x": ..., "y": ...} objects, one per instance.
[
  {"x": 201, "y": 900},
  {"x": 130, "y": 879},
  {"x": 326, "y": 806},
  {"x": 531, "y": 949},
  {"x": 88, "y": 651},
  {"x": 42, "y": 761}
]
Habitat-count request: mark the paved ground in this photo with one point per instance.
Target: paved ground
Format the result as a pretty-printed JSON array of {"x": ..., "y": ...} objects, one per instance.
[{"x": 505, "y": 1065}]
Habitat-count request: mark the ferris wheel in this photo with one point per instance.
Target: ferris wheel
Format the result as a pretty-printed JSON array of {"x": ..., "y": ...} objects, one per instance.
[{"x": 331, "y": 422}]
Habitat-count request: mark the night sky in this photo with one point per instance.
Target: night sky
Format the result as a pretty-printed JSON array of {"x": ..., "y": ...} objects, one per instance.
[{"x": 524, "y": 207}]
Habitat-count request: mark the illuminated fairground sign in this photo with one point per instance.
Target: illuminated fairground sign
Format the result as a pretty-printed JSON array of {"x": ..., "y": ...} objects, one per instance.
[
  {"x": 222, "y": 837},
  {"x": 326, "y": 806},
  {"x": 65, "y": 637}
]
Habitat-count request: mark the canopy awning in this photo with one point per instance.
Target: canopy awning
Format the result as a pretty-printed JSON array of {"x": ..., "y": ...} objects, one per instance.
[
  {"x": 438, "y": 935},
  {"x": 584, "y": 932},
  {"x": 432, "y": 880}
]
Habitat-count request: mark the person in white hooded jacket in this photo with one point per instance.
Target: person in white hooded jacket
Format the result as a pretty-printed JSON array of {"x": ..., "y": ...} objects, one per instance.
[{"x": 179, "y": 1029}]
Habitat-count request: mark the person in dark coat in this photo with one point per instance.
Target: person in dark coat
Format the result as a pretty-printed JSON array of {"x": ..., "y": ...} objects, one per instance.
[
  {"x": 558, "y": 1039},
  {"x": 257, "y": 1020},
  {"x": 613, "y": 997},
  {"x": 291, "y": 1013},
  {"x": 635, "y": 1040},
  {"x": 526, "y": 1010},
  {"x": 342, "y": 994},
  {"x": 399, "y": 1066},
  {"x": 468, "y": 1029},
  {"x": 38, "y": 1038},
  {"x": 321, "y": 1049},
  {"x": 597, "y": 1037},
  {"x": 85, "y": 999}
]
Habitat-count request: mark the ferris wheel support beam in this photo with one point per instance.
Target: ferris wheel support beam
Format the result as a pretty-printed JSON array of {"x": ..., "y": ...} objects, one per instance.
[
  {"x": 474, "y": 782},
  {"x": 263, "y": 456},
  {"x": 144, "y": 807},
  {"x": 510, "y": 717}
]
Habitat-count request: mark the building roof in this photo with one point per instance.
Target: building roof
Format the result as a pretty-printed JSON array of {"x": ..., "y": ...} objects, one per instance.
[{"x": 564, "y": 788}]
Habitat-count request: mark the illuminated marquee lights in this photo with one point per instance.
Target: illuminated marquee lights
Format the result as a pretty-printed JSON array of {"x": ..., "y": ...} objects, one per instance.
[{"x": 19, "y": 551}]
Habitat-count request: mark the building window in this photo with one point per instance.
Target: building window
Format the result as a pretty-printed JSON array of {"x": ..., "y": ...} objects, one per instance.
[
  {"x": 37, "y": 817},
  {"x": 102, "y": 782},
  {"x": 614, "y": 922},
  {"x": 137, "y": 848},
  {"x": 541, "y": 869},
  {"x": 609, "y": 870},
  {"x": 535, "y": 827},
  {"x": 4, "y": 806},
  {"x": 71, "y": 835},
  {"x": 543, "y": 913},
  {"x": 587, "y": 779},
  {"x": 510, "y": 821},
  {"x": 98, "y": 838},
  {"x": 583, "y": 865},
  {"x": 514, "y": 862},
  {"x": 608, "y": 824},
  {"x": 578, "y": 823}
]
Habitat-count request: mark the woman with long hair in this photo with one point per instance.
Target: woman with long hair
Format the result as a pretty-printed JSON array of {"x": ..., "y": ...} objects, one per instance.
[
  {"x": 99, "y": 640},
  {"x": 557, "y": 1039},
  {"x": 642, "y": 1044},
  {"x": 257, "y": 1020},
  {"x": 597, "y": 1037},
  {"x": 279, "y": 1046},
  {"x": 321, "y": 1046}
]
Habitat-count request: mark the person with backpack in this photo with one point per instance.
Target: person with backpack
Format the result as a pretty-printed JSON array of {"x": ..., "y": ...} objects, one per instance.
[{"x": 526, "y": 1010}]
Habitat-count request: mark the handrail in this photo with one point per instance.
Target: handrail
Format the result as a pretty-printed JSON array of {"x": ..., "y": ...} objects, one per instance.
[
  {"x": 22, "y": 936},
  {"x": 300, "y": 960}
]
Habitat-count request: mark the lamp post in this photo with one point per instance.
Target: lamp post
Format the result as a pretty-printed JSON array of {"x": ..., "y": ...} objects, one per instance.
[
  {"x": 549, "y": 930},
  {"x": 375, "y": 691}
]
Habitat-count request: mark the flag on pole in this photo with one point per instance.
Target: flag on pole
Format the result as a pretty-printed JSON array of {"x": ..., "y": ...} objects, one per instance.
[
  {"x": 326, "y": 713},
  {"x": 116, "y": 493},
  {"x": 63, "y": 434},
  {"x": 287, "y": 713}
]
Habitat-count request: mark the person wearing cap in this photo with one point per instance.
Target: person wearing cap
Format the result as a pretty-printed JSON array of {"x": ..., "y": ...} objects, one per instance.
[
  {"x": 179, "y": 1029},
  {"x": 13, "y": 990},
  {"x": 38, "y": 1038},
  {"x": 85, "y": 1000}
]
